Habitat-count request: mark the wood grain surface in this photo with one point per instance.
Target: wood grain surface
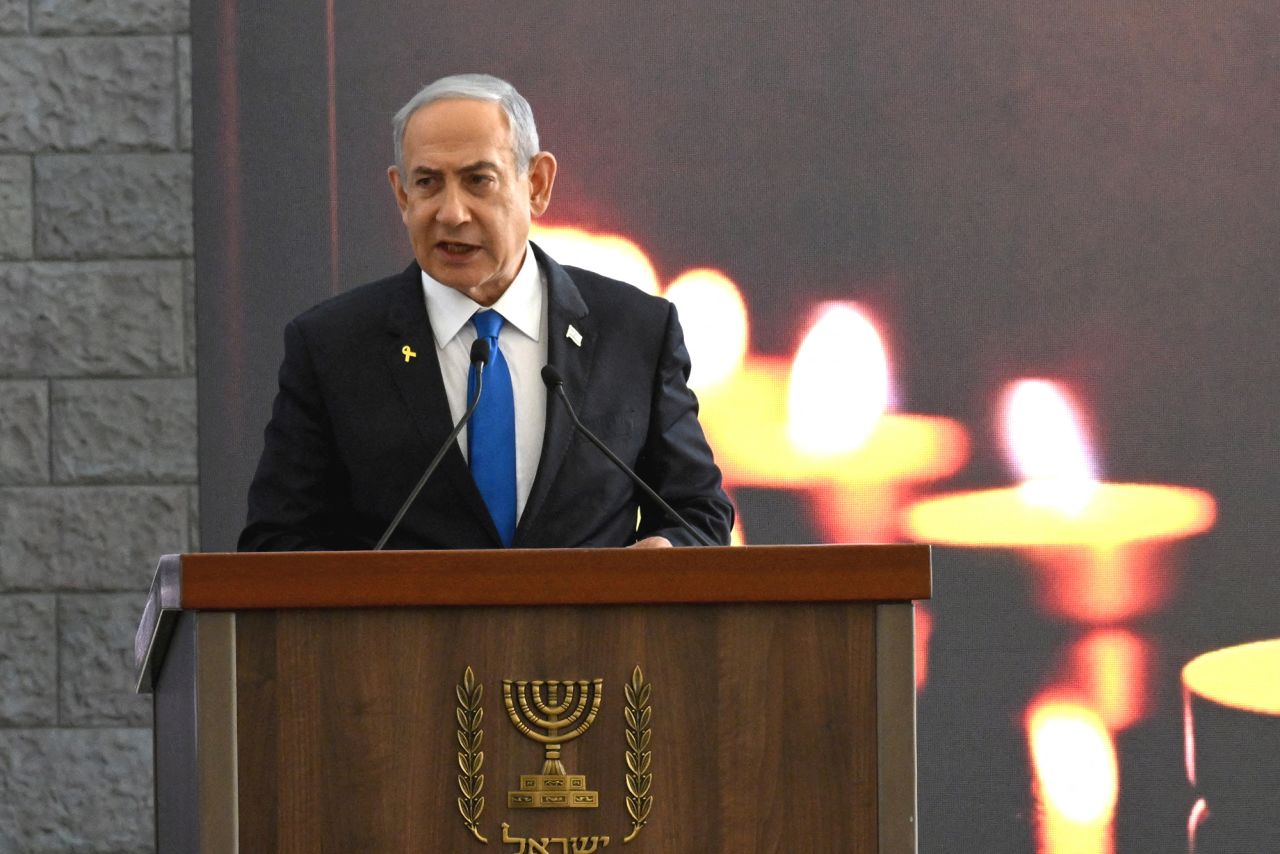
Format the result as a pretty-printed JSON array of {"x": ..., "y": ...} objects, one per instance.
[
  {"x": 764, "y": 734},
  {"x": 556, "y": 577}
]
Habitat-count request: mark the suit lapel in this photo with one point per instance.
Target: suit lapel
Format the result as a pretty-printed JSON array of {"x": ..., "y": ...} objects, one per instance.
[
  {"x": 565, "y": 309},
  {"x": 421, "y": 387}
]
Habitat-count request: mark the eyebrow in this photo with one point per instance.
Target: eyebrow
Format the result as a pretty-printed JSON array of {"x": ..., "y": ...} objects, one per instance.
[{"x": 478, "y": 166}]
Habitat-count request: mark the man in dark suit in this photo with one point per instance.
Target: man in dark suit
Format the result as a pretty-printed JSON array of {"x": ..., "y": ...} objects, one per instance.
[{"x": 373, "y": 380}]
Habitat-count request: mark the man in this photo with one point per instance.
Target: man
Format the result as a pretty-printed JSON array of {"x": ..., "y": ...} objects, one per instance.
[{"x": 374, "y": 379}]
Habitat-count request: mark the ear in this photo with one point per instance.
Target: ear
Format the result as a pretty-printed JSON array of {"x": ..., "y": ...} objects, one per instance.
[
  {"x": 402, "y": 197},
  {"x": 542, "y": 176}
]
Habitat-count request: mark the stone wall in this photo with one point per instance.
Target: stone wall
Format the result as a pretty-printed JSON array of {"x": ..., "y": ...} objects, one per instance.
[{"x": 97, "y": 402}]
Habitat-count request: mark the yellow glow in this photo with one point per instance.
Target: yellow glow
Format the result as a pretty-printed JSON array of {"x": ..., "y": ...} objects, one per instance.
[
  {"x": 1118, "y": 513},
  {"x": 1110, "y": 666},
  {"x": 745, "y": 420},
  {"x": 839, "y": 382},
  {"x": 1074, "y": 760},
  {"x": 1047, "y": 446},
  {"x": 924, "y": 630},
  {"x": 1243, "y": 677},
  {"x": 714, "y": 317},
  {"x": 607, "y": 254}
]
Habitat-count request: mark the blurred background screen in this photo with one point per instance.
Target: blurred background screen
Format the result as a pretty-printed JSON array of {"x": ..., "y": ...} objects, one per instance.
[{"x": 1029, "y": 250}]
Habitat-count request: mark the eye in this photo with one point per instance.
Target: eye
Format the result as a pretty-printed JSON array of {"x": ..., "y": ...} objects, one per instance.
[{"x": 481, "y": 180}]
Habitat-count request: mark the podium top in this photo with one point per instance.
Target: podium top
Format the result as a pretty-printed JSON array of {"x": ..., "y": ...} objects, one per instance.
[
  {"x": 554, "y": 577},
  {"x": 527, "y": 577}
]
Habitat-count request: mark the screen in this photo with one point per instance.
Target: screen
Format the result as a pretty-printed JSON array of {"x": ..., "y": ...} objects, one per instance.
[{"x": 997, "y": 277}]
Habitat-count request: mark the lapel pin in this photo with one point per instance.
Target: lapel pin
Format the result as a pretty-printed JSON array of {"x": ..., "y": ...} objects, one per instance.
[
  {"x": 574, "y": 335},
  {"x": 408, "y": 353}
]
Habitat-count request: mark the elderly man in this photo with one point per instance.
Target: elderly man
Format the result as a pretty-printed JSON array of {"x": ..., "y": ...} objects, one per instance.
[{"x": 374, "y": 379}]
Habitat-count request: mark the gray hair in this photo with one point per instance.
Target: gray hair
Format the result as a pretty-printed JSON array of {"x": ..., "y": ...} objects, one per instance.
[{"x": 475, "y": 87}]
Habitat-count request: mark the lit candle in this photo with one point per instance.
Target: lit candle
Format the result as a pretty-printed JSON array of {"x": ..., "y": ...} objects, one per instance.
[
  {"x": 1077, "y": 777},
  {"x": 1108, "y": 668},
  {"x": 1231, "y": 709},
  {"x": 1099, "y": 545},
  {"x": 819, "y": 425}
]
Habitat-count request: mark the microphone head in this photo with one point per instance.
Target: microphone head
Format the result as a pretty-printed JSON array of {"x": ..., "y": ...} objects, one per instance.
[
  {"x": 480, "y": 351},
  {"x": 551, "y": 377}
]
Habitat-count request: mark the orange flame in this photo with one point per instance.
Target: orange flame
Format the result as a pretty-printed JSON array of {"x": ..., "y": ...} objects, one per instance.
[
  {"x": 607, "y": 254},
  {"x": 839, "y": 382},
  {"x": 714, "y": 317},
  {"x": 1077, "y": 776},
  {"x": 1111, "y": 667},
  {"x": 1046, "y": 441}
]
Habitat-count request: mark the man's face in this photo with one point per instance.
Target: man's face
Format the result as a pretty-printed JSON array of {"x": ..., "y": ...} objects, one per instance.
[{"x": 465, "y": 205}]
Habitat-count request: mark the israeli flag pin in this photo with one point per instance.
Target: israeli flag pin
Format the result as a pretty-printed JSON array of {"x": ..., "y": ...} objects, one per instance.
[{"x": 574, "y": 335}]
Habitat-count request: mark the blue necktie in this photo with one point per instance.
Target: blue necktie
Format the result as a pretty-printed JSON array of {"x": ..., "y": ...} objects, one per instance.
[{"x": 491, "y": 434}]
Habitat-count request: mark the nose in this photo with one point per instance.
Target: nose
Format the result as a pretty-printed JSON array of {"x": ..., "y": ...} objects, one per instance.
[{"x": 453, "y": 206}]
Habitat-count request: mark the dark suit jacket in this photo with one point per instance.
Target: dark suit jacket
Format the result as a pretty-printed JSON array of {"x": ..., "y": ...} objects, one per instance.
[{"x": 354, "y": 426}]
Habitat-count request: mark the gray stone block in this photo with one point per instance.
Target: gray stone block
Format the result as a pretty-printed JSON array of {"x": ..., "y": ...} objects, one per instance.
[
  {"x": 63, "y": 17},
  {"x": 104, "y": 538},
  {"x": 193, "y": 534},
  {"x": 113, "y": 206},
  {"x": 13, "y": 16},
  {"x": 105, "y": 431},
  {"x": 24, "y": 431},
  {"x": 15, "y": 207},
  {"x": 28, "y": 662},
  {"x": 87, "y": 791},
  {"x": 189, "y": 327},
  {"x": 184, "y": 93},
  {"x": 121, "y": 318},
  {"x": 95, "y": 648},
  {"x": 88, "y": 93}
]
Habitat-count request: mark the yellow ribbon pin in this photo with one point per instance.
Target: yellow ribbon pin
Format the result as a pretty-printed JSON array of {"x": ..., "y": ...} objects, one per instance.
[{"x": 408, "y": 353}]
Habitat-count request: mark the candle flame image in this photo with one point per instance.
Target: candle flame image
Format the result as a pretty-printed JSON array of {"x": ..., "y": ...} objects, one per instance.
[
  {"x": 817, "y": 423},
  {"x": 1240, "y": 677},
  {"x": 1231, "y": 720},
  {"x": 839, "y": 383},
  {"x": 1077, "y": 776},
  {"x": 1108, "y": 667},
  {"x": 713, "y": 315},
  {"x": 1047, "y": 443},
  {"x": 609, "y": 255},
  {"x": 1103, "y": 528}
]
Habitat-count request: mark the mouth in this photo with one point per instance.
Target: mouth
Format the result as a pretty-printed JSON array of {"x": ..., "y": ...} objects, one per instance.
[{"x": 456, "y": 251}]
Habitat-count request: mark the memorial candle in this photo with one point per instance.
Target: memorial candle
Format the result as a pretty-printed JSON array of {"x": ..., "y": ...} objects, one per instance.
[
  {"x": 1077, "y": 777},
  {"x": 1100, "y": 547},
  {"x": 818, "y": 425}
]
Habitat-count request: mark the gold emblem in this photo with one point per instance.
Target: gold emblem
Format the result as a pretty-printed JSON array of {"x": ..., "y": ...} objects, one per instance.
[
  {"x": 470, "y": 756},
  {"x": 553, "y": 713},
  {"x": 639, "y": 715},
  {"x": 561, "y": 709},
  {"x": 408, "y": 353}
]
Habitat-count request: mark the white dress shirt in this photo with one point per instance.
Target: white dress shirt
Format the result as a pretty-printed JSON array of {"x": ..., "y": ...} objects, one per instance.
[{"x": 523, "y": 342}]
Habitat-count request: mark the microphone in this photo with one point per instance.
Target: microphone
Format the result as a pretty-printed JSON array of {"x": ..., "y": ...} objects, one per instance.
[
  {"x": 479, "y": 358},
  {"x": 554, "y": 382}
]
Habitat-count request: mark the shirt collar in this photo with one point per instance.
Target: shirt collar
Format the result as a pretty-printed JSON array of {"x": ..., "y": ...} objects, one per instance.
[{"x": 521, "y": 305}]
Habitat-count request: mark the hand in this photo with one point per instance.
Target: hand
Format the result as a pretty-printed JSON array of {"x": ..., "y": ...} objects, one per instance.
[{"x": 651, "y": 543}]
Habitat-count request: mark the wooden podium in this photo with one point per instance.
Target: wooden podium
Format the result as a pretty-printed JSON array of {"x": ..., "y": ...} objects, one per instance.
[{"x": 679, "y": 700}]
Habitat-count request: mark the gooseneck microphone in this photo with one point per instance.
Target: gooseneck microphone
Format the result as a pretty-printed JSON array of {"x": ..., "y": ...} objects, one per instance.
[
  {"x": 554, "y": 382},
  {"x": 479, "y": 358}
]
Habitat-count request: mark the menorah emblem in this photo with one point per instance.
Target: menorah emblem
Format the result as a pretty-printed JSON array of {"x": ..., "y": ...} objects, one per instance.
[{"x": 563, "y": 711}]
